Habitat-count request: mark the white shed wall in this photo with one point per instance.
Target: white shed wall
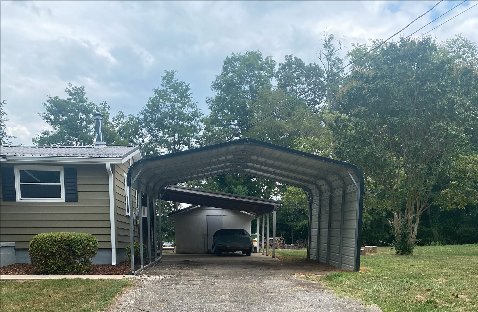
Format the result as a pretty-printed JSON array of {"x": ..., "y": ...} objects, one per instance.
[{"x": 191, "y": 227}]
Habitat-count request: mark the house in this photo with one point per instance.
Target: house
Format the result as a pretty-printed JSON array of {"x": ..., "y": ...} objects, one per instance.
[{"x": 65, "y": 189}]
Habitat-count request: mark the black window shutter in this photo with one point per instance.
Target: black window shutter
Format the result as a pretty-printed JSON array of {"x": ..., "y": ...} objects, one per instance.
[
  {"x": 8, "y": 184},
  {"x": 71, "y": 188}
]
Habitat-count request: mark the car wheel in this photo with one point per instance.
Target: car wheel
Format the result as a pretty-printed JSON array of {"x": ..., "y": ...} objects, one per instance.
[
  {"x": 247, "y": 252},
  {"x": 218, "y": 252}
]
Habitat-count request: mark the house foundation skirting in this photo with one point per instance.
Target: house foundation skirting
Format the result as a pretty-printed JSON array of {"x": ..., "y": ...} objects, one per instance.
[
  {"x": 10, "y": 255},
  {"x": 7, "y": 254}
]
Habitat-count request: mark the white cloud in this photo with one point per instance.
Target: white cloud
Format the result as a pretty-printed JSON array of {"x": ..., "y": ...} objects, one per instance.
[
  {"x": 119, "y": 50},
  {"x": 19, "y": 131}
]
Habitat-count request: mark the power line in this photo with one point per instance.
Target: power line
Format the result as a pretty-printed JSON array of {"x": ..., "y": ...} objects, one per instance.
[
  {"x": 436, "y": 19},
  {"x": 425, "y": 26},
  {"x": 277, "y": 110},
  {"x": 449, "y": 19},
  {"x": 368, "y": 52}
]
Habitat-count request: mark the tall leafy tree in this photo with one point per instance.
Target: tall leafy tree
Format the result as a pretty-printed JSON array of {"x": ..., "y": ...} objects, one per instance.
[
  {"x": 72, "y": 120},
  {"x": 293, "y": 215},
  {"x": 128, "y": 128},
  {"x": 241, "y": 78},
  {"x": 5, "y": 139},
  {"x": 171, "y": 119},
  {"x": 289, "y": 118},
  {"x": 401, "y": 117},
  {"x": 332, "y": 65},
  {"x": 306, "y": 82}
]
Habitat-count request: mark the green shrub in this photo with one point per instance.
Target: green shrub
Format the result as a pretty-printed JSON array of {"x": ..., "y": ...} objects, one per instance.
[
  {"x": 404, "y": 244},
  {"x": 63, "y": 252},
  {"x": 137, "y": 253}
]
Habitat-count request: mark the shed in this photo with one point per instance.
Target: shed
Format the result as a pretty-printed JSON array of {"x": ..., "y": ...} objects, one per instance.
[{"x": 195, "y": 225}]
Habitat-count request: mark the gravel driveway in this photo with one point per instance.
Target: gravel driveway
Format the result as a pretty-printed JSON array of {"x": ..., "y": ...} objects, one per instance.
[{"x": 232, "y": 282}]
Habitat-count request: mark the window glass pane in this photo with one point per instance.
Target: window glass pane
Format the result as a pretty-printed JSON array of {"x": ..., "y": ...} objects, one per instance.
[
  {"x": 36, "y": 176},
  {"x": 40, "y": 191}
]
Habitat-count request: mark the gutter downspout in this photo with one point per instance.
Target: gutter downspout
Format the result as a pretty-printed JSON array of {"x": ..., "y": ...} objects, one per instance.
[{"x": 112, "y": 213}]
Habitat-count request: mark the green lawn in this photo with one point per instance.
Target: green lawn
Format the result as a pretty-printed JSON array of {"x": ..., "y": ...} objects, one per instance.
[
  {"x": 438, "y": 278},
  {"x": 59, "y": 295},
  {"x": 285, "y": 254}
]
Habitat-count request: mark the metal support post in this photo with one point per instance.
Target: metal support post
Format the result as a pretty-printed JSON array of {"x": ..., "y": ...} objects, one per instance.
[
  {"x": 148, "y": 219},
  {"x": 155, "y": 242},
  {"x": 258, "y": 236},
  {"x": 141, "y": 230},
  {"x": 267, "y": 240},
  {"x": 160, "y": 231},
  {"x": 263, "y": 236},
  {"x": 274, "y": 219},
  {"x": 131, "y": 227}
]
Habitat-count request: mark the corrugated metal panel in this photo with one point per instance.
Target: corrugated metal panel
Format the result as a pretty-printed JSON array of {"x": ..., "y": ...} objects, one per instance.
[{"x": 317, "y": 175}]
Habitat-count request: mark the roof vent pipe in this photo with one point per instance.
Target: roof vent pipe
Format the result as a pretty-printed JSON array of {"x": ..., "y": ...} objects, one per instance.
[{"x": 98, "y": 130}]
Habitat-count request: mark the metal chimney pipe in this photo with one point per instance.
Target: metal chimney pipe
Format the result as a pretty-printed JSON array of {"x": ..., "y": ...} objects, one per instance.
[{"x": 98, "y": 130}]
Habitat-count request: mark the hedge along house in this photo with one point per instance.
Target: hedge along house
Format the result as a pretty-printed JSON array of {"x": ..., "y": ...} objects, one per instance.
[
  {"x": 195, "y": 225},
  {"x": 65, "y": 189},
  {"x": 335, "y": 188}
]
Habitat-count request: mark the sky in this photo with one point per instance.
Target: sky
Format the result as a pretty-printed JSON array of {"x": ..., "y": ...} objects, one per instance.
[{"x": 119, "y": 50}]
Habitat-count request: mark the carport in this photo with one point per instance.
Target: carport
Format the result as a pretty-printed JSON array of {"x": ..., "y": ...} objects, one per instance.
[{"x": 335, "y": 189}]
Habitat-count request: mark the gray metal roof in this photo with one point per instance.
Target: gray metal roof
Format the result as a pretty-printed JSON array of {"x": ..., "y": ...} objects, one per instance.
[
  {"x": 67, "y": 151},
  {"x": 195, "y": 196},
  {"x": 244, "y": 156}
]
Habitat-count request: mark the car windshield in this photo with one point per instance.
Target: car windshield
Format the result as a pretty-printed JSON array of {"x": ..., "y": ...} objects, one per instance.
[{"x": 231, "y": 232}]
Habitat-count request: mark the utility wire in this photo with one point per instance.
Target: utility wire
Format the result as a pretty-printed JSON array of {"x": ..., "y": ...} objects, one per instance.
[
  {"x": 368, "y": 52},
  {"x": 277, "y": 110},
  {"x": 449, "y": 19},
  {"x": 422, "y": 27},
  {"x": 436, "y": 19}
]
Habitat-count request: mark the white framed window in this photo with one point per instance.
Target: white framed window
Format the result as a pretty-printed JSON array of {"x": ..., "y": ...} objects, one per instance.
[
  {"x": 39, "y": 183},
  {"x": 126, "y": 195}
]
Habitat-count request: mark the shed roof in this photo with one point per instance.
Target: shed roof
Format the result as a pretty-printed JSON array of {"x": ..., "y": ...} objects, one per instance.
[{"x": 195, "y": 196}]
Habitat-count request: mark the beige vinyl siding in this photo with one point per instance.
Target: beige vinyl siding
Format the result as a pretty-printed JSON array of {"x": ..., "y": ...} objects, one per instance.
[
  {"x": 122, "y": 220},
  {"x": 20, "y": 221}
]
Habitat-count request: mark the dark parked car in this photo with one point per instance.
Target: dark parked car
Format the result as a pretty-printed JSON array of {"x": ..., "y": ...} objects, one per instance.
[{"x": 232, "y": 240}]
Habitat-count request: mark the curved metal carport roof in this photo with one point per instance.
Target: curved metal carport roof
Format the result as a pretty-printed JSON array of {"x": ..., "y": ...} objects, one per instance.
[{"x": 335, "y": 188}]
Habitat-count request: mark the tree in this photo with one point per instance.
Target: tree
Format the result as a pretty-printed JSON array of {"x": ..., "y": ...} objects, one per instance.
[
  {"x": 332, "y": 66},
  {"x": 72, "y": 120},
  {"x": 128, "y": 128},
  {"x": 171, "y": 118},
  {"x": 306, "y": 82},
  {"x": 293, "y": 215},
  {"x": 241, "y": 78},
  {"x": 401, "y": 117},
  {"x": 4, "y": 137},
  {"x": 461, "y": 188},
  {"x": 167, "y": 224}
]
